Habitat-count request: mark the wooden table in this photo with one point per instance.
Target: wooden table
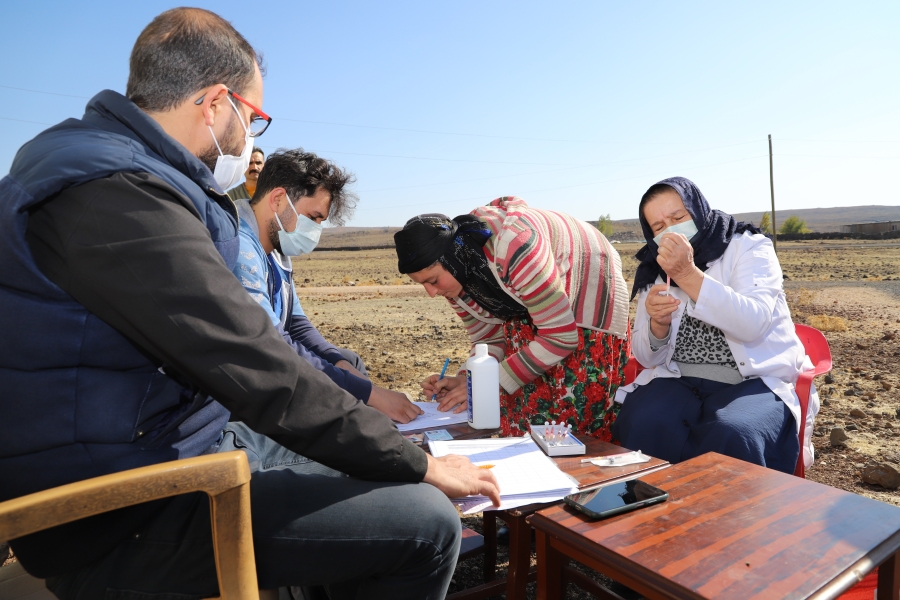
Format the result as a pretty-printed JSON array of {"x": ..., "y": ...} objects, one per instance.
[
  {"x": 729, "y": 530},
  {"x": 519, "y": 573}
]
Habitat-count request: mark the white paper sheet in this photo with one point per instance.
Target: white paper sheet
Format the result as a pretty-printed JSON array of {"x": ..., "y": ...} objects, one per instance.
[
  {"x": 478, "y": 504},
  {"x": 525, "y": 474},
  {"x": 619, "y": 460},
  {"x": 432, "y": 417}
]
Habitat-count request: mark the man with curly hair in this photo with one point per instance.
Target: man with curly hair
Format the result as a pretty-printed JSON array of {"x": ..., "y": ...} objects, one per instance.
[{"x": 297, "y": 191}]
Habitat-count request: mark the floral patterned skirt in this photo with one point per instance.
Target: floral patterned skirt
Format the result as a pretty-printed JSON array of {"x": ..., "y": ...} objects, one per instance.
[{"x": 579, "y": 390}]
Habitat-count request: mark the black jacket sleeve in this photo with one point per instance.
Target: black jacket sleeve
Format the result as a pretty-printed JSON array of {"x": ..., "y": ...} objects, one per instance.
[{"x": 133, "y": 251}]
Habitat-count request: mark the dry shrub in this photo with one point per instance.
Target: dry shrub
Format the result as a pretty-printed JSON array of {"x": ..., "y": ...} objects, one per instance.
[
  {"x": 805, "y": 297},
  {"x": 398, "y": 281},
  {"x": 346, "y": 279},
  {"x": 827, "y": 323}
]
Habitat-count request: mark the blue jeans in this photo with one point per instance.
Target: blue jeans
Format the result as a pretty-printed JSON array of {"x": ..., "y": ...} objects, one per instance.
[{"x": 359, "y": 539}]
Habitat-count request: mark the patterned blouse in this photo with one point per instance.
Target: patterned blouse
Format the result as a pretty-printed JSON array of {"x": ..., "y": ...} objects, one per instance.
[
  {"x": 699, "y": 343},
  {"x": 701, "y": 350},
  {"x": 562, "y": 270}
]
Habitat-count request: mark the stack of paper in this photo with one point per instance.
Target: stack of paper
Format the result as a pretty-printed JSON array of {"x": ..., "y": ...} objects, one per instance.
[
  {"x": 432, "y": 417},
  {"x": 526, "y": 475}
]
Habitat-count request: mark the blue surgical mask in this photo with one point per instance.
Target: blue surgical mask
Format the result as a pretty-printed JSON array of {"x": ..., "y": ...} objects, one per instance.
[
  {"x": 687, "y": 228},
  {"x": 303, "y": 239}
]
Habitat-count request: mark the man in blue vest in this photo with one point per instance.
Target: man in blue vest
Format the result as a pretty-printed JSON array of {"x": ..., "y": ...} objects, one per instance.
[
  {"x": 295, "y": 193},
  {"x": 127, "y": 341}
]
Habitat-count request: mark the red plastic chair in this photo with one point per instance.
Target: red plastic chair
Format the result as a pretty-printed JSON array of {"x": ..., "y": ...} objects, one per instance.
[
  {"x": 819, "y": 354},
  {"x": 816, "y": 347},
  {"x": 632, "y": 370}
]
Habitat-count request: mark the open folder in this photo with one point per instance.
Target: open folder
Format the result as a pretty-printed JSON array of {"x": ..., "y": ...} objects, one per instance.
[{"x": 526, "y": 475}]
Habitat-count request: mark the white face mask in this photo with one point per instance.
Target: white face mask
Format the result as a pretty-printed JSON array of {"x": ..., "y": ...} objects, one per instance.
[
  {"x": 303, "y": 239},
  {"x": 229, "y": 169},
  {"x": 687, "y": 228}
]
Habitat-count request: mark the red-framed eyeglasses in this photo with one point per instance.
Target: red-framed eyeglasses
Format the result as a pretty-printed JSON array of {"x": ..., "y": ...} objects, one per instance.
[{"x": 259, "y": 122}]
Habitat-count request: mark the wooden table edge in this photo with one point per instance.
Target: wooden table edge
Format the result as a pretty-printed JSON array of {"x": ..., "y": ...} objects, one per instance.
[
  {"x": 858, "y": 570},
  {"x": 580, "y": 548},
  {"x": 614, "y": 565}
]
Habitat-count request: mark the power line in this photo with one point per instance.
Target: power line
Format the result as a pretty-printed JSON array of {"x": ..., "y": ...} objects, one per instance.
[
  {"x": 24, "y": 121},
  {"x": 480, "y": 135},
  {"x": 604, "y": 164},
  {"x": 565, "y": 167},
  {"x": 834, "y": 156},
  {"x": 408, "y": 130},
  {"x": 464, "y": 160},
  {"x": 727, "y": 162},
  {"x": 539, "y": 163},
  {"x": 844, "y": 141},
  {"x": 570, "y": 186},
  {"x": 436, "y": 132},
  {"x": 9, "y": 87}
]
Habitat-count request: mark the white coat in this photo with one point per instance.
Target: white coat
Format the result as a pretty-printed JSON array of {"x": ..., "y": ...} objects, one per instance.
[{"x": 743, "y": 295}]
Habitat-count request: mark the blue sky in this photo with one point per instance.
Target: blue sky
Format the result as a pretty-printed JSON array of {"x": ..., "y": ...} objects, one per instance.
[{"x": 575, "y": 106}]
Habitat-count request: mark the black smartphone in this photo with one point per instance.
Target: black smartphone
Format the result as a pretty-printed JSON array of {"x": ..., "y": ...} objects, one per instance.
[{"x": 616, "y": 498}]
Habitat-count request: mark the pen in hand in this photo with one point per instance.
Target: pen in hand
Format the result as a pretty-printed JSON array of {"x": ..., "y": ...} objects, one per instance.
[{"x": 443, "y": 371}]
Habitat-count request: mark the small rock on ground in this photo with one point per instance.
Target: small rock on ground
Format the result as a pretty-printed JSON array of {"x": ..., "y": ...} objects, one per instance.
[
  {"x": 838, "y": 436},
  {"x": 885, "y": 474}
]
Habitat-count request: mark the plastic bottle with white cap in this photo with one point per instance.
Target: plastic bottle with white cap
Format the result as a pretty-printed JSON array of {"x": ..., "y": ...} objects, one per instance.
[{"x": 483, "y": 383}]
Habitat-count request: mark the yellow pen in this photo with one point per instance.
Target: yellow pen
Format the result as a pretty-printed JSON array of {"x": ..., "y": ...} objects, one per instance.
[{"x": 485, "y": 466}]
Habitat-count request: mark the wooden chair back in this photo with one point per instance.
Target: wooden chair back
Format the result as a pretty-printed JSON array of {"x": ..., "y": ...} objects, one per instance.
[{"x": 225, "y": 477}]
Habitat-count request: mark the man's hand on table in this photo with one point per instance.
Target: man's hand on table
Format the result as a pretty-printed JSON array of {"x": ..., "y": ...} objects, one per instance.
[
  {"x": 457, "y": 477},
  {"x": 451, "y": 391},
  {"x": 394, "y": 404}
]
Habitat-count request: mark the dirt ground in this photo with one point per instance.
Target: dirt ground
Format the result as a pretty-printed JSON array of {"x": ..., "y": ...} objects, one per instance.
[{"x": 358, "y": 300}]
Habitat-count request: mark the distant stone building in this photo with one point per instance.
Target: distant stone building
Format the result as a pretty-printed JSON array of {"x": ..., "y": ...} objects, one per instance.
[{"x": 878, "y": 227}]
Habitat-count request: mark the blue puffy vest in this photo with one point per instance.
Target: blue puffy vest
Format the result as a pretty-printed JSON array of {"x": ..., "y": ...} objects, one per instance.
[{"x": 77, "y": 399}]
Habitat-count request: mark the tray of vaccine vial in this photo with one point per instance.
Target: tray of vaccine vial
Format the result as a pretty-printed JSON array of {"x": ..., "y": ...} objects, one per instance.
[{"x": 557, "y": 439}]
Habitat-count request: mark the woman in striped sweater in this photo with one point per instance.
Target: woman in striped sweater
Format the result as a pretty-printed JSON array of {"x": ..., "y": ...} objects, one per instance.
[{"x": 545, "y": 292}]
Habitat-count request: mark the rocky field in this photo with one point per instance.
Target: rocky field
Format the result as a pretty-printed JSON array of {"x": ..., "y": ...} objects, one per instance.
[{"x": 358, "y": 300}]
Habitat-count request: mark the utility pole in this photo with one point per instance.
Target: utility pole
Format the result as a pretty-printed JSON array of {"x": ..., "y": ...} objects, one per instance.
[{"x": 772, "y": 188}]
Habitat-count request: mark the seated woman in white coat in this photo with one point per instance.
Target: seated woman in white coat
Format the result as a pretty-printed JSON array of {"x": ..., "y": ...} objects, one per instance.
[{"x": 715, "y": 334}]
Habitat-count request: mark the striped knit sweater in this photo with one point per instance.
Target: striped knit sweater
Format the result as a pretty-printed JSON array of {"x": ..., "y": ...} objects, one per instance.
[{"x": 562, "y": 270}]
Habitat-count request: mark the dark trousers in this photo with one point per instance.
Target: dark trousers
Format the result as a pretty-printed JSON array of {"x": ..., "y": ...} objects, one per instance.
[
  {"x": 679, "y": 418},
  {"x": 358, "y": 538}
]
